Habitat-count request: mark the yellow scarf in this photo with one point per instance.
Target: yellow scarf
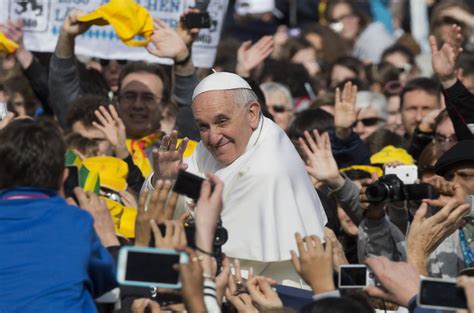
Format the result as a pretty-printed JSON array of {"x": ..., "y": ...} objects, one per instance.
[{"x": 137, "y": 147}]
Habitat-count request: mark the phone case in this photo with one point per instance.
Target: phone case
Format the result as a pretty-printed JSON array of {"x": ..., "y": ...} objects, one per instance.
[
  {"x": 122, "y": 265},
  {"x": 341, "y": 268},
  {"x": 428, "y": 306}
]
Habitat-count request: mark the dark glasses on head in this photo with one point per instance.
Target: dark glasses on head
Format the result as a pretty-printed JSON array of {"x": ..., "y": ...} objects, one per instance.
[
  {"x": 371, "y": 121},
  {"x": 393, "y": 87},
  {"x": 105, "y": 62},
  {"x": 278, "y": 108}
]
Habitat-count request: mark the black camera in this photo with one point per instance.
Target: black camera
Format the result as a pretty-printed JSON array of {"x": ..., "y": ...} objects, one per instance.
[
  {"x": 220, "y": 238},
  {"x": 390, "y": 188}
]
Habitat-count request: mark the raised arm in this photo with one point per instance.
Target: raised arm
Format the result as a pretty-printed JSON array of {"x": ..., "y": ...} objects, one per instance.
[{"x": 64, "y": 83}]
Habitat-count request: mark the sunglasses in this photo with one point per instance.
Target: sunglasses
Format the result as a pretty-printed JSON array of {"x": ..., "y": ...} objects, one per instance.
[
  {"x": 393, "y": 87},
  {"x": 278, "y": 108},
  {"x": 105, "y": 62},
  {"x": 443, "y": 139},
  {"x": 370, "y": 121}
]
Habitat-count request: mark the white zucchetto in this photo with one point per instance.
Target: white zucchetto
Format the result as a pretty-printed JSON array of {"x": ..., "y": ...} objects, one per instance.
[{"x": 220, "y": 81}]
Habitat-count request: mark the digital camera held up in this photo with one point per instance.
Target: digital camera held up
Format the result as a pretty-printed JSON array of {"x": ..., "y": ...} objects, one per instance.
[{"x": 390, "y": 188}]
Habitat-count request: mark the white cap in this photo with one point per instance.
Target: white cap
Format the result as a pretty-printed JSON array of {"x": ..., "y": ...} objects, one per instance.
[
  {"x": 244, "y": 7},
  {"x": 221, "y": 81}
]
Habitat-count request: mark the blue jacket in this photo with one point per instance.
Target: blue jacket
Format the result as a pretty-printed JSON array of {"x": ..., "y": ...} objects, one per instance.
[{"x": 51, "y": 259}]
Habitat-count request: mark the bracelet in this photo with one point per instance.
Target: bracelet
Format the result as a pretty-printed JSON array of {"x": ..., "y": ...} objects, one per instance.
[
  {"x": 183, "y": 61},
  {"x": 209, "y": 276},
  {"x": 205, "y": 252}
]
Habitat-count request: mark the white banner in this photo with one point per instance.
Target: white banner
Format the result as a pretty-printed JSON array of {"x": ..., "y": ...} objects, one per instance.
[{"x": 43, "y": 19}]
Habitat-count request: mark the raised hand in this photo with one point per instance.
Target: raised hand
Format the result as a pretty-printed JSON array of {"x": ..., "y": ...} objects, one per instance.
[
  {"x": 428, "y": 122},
  {"x": 103, "y": 222},
  {"x": 338, "y": 255},
  {"x": 400, "y": 280},
  {"x": 345, "y": 113},
  {"x": 262, "y": 294},
  {"x": 320, "y": 160},
  {"x": 174, "y": 238},
  {"x": 113, "y": 128},
  {"x": 250, "y": 56},
  {"x": 192, "y": 280},
  {"x": 426, "y": 233},
  {"x": 222, "y": 279},
  {"x": 444, "y": 59},
  {"x": 207, "y": 211},
  {"x": 168, "y": 160},
  {"x": 467, "y": 283},
  {"x": 143, "y": 305},
  {"x": 71, "y": 26},
  {"x": 448, "y": 191},
  {"x": 166, "y": 42},
  {"x": 13, "y": 30},
  {"x": 157, "y": 209},
  {"x": 314, "y": 263},
  {"x": 128, "y": 199}
]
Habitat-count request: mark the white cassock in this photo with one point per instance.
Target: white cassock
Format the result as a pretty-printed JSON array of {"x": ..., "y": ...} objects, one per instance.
[{"x": 268, "y": 196}]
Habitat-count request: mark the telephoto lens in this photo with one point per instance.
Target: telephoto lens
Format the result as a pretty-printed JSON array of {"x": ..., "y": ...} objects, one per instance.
[{"x": 390, "y": 188}]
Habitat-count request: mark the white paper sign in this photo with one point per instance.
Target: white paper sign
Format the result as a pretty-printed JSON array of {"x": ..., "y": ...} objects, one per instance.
[{"x": 43, "y": 19}]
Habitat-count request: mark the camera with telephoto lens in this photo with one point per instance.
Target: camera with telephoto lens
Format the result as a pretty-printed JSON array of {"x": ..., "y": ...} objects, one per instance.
[{"x": 390, "y": 188}]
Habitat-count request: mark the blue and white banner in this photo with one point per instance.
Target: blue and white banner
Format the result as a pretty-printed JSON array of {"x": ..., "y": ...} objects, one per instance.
[{"x": 43, "y": 19}]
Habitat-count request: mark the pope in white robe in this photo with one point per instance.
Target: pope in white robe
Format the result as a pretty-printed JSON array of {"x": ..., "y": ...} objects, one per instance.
[{"x": 268, "y": 195}]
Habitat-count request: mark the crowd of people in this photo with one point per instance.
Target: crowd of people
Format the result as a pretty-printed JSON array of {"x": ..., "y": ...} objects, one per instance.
[{"x": 307, "y": 105}]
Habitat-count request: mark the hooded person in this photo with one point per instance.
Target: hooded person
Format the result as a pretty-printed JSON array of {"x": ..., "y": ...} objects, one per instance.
[{"x": 268, "y": 196}]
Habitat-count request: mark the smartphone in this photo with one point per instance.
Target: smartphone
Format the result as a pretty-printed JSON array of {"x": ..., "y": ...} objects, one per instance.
[
  {"x": 198, "y": 20},
  {"x": 149, "y": 267},
  {"x": 408, "y": 174},
  {"x": 441, "y": 294},
  {"x": 188, "y": 184},
  {"x": 470, "y": 216},
  {"x": 3, "y": 110},
  {"x": 355, "y": 276}
]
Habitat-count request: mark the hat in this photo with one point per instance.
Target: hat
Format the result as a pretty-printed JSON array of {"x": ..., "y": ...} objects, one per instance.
[
  {"x": 366, "y": 168},
  {"x": 127, "y": 18},
  {"x": 221, "y": 81},
  {"x": 7, "y": 45},
  {"x": 392, "y": 154},
  {"x": 245, "y": 7},
  {"x": 112, "y": 171},
  {"x": 462, "y": 151}
]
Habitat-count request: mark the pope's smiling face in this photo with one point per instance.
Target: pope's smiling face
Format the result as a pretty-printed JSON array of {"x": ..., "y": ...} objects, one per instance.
[{"x": 225, "y": 126}]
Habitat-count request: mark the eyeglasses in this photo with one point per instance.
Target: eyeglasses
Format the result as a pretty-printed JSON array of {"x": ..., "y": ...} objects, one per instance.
[
  {"x": 130, "y": 97},
  {"x": 278, "y": 108},
  {"x": 370, "y": 121},
  {"x": 445, "y": 139},
  {"x": 105, "y": 62}
]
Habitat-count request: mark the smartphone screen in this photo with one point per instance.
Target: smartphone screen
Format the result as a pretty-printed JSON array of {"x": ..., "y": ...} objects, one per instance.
[
  {"x": 441, "y": 294},
  {"x": 188, "y": 184},
  {"x": 152, "y": 267},
  {"x": 353, "y": 276}
]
